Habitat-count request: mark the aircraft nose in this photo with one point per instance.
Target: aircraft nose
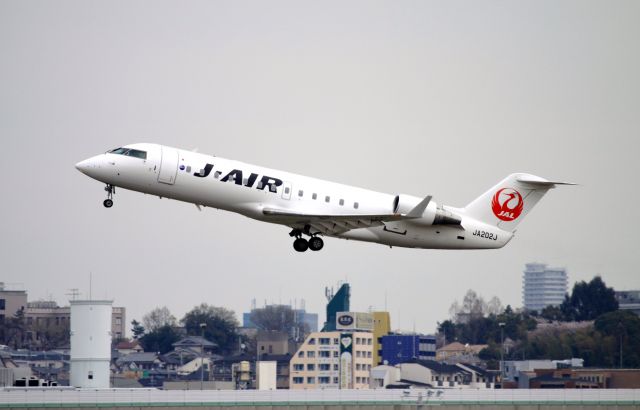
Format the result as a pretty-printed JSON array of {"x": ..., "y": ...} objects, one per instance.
[{"x": 84, "y": 166}]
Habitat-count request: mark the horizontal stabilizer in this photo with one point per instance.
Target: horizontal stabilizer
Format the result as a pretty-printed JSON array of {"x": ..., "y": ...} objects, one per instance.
[{"x": 541, "y": 182}]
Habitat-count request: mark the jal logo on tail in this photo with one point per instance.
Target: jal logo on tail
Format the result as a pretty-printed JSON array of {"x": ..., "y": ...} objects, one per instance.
[{"x": 507, "y": 204}]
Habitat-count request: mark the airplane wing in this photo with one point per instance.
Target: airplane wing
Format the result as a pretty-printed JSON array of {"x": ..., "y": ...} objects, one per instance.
[{"x": 340, "y": 223}]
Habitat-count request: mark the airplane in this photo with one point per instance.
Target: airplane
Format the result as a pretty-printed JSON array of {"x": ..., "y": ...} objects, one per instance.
[{"x": 315, "y": 208}]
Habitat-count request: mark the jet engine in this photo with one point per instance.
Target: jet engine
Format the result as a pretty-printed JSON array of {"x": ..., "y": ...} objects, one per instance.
[{"x": 434, "y": 214}]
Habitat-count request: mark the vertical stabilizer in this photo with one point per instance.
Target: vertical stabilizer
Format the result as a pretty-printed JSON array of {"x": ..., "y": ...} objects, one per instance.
[{"x": 507, "y": 203}]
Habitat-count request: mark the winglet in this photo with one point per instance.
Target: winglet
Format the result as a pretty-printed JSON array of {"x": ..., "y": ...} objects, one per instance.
[{"x": 418, "y": 210}]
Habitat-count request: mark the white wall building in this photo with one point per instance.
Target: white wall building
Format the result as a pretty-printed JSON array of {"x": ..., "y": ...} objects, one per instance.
[
  {"x": 333, "y": 360},
  {"x": 543, "y": 286},
  {"x": 90, "y": 343},
  {"x": 266, "y": 375}
]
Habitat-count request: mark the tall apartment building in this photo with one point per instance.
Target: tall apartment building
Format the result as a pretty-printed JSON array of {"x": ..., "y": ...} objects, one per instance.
[
  {"x": 543, "y": 286},
  {"x": 333, "y": 360}
]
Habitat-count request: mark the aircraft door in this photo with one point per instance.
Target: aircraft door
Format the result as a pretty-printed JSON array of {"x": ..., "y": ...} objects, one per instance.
[
  {"x": 286, "y": 190},
  {"x": 168, "y": 165}
]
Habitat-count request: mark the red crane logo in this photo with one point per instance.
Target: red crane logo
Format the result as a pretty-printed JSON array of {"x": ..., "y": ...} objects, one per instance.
[{"x": 507, "y": 204}]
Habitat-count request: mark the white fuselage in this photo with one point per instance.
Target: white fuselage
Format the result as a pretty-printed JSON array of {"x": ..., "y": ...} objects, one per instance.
[{"x": 173, "y": 173}]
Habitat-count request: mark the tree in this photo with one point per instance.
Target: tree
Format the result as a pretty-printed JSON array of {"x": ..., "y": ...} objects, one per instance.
[
  {"x": 554, "y": 313},
  {"x": 13, "y": 330},
  {"x": 494, "y": 307},
  {"x": 137, "y": 329},
  {"x": 221, "y": 325},
  {"x": 473, "y": 306},
  {"x": 589, "y": 300},
  {"x": 51, "y": 336},
  {"x": 448, "y": 330},
  {"x": 624, "y": 327},
  {"x": 158, "y": 318},
  {"x": 279, "y": 318},
  {"x": 160, "y": 340}
]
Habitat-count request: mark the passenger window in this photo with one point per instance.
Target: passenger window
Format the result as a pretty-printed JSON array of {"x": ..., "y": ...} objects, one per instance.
[
  {"x": 327, "y": 198},
  {"x": 188, "y": 168},
  {"x": 217, "y": 174},
  {"x": 355, "y": 205},
  {"x": 300, "y": 192},
  {"x": 314, "y": 196},
  {"x": 259, "y": 185},
  {"x": 341, "y": 202},
  {"x": 245, "y": 181},
  {"x": 286, "y": 190}
]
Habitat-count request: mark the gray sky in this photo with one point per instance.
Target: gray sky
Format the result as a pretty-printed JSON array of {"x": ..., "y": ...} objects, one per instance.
[{"x": 441, "y": 98}]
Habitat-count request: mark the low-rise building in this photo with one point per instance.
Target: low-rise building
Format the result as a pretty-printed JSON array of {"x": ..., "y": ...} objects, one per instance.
[
  {"x": 629, "y": 300},
  {"x": 47, "y": 313},
  {"x": 583, "y": 378},
  {"x": 456, "y": 352},
  {"x": 432, "y": 374},
  {"x": 334, "y": 360},
  {"x": 126, "y": 347},
  {"x": 399, "y": 348},
  {"x": 11, "y": 301}
]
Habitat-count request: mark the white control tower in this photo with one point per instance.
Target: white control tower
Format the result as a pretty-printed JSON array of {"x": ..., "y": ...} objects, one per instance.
[{"x": 90, "y": 343}]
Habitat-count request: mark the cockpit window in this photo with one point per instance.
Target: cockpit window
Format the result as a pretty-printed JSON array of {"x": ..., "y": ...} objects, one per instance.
[
  {"x": 118, "y": 151},
  {"x": 137, "y": 153},
  {"x": 129, "y": 152}
]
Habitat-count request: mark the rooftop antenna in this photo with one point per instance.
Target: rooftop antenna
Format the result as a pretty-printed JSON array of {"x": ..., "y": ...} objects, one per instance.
[
  {"x": 73, "y": 293},
  {"x": 328, "y": 293}
]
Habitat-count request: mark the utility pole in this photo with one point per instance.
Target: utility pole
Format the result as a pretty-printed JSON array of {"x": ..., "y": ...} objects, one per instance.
[
  {"x": 202, "y": 327},
  {"x": 501, "y": 324}
]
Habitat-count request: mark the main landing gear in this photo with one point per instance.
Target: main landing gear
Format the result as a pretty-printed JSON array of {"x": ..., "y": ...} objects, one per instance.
[
  {"x": 108, "y": 203},
  {"x": 315, "y": 243}
]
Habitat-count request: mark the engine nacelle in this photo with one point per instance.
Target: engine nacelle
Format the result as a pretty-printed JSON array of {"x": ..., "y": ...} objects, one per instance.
[{"x": 433, "y": 214}]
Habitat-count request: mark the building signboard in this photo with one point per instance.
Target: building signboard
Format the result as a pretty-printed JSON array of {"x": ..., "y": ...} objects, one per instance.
[
  {"x": 346, "y": 361},
  {"x": 354, "y": 321}
]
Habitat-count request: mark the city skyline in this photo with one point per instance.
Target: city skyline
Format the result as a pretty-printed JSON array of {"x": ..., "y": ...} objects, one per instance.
[{"x": 412, "y": 97}]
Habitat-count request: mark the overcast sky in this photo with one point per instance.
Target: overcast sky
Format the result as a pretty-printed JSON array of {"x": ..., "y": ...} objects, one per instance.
[{"x": 439, "y": 98}]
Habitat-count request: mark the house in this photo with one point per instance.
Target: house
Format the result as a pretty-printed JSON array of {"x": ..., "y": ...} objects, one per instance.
[
  {"x": 456, "y": 352},
  {"x": 429, "y": 373},
  {"x": 384, "y": 376},
  {"x": 195, "y": 343},
  {"x": 126, "y": 347},
  {"x": 139, "y": 361},
  {"x": 435, "y": 374}
]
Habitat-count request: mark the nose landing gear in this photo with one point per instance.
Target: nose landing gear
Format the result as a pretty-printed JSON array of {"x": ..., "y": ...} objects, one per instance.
[
  {"x": 315, "y": 243},
  {"x": 108, "y": 203}
]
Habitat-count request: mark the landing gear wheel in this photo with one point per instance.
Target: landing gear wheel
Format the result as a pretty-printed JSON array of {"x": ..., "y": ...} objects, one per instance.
[
  {"x": 315, "y": 243},
  {"x": 108, "y": 203},
  {"x": 300, "y": 245}
]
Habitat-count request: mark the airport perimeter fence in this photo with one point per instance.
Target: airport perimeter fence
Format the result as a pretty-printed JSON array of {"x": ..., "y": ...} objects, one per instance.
[{"x": 70, "y": 397}]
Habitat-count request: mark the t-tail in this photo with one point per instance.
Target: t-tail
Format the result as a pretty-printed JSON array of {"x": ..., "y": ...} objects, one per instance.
[{"x": 506, "y": 204}]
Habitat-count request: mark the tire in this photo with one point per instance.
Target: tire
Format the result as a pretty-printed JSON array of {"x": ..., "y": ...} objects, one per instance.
[
  {"x": 108, "y": 203},
  {"x": 300, "y": 245},
  {"x": 315, "y": 243}
]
